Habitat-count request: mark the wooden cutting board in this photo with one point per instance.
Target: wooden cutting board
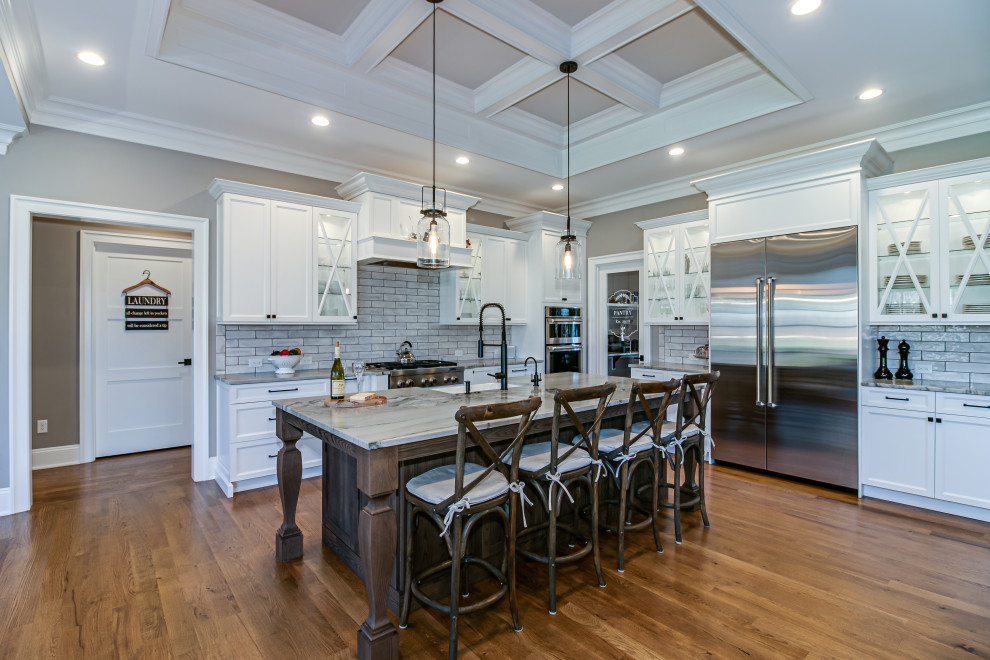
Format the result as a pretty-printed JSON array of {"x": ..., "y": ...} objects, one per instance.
[{"x": 377, "y": 400}]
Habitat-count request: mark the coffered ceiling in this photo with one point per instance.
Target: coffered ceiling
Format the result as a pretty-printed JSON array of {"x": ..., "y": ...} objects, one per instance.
[{"x": 731, "y": 81}]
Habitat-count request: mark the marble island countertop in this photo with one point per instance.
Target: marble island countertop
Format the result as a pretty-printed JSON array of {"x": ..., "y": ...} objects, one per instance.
[
  {"x": 981, "y": 389},
  {"x": 416, "y": 414}
]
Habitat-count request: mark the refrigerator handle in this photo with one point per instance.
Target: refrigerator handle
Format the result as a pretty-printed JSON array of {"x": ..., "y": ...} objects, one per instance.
[
  {"x": 759, "y": 342},
  {"x": 771, "y": 349}
]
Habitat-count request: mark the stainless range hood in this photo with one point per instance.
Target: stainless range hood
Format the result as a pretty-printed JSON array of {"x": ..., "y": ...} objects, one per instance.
[{"x": 390, "y": 209}]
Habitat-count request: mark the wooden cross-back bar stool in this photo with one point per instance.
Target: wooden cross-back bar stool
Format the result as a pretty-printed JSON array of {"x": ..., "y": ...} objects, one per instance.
[
  {"x": 684, "y": 446},
  {"x": 633, "y": 447},
  {"x": 554, "y": 469},
  {"x": 455, "y": 498}
]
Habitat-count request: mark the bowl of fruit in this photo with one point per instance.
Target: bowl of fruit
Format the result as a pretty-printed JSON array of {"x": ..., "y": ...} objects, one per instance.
[{"x": 285, "y": 360}]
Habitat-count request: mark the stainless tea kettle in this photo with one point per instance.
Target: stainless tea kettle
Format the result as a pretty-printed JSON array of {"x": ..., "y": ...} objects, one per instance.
[{"x": 405, "y": 355}]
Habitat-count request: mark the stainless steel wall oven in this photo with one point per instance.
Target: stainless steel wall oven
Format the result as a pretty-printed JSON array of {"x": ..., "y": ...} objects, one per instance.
[{"x": 563, "y": 339}]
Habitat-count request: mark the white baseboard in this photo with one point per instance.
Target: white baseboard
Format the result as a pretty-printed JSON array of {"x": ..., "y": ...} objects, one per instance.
[
  {"x": 4, "y": 501},
  {"x": 932, "y": 504},
  {"x": 50, "y": 457}
]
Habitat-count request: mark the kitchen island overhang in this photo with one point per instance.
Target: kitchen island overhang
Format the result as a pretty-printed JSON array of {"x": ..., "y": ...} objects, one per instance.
[{"x": 368, "y": 456}]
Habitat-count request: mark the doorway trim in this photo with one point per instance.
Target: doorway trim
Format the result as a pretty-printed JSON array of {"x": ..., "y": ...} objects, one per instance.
[
  {"x": 22, "y": 212},
  {"x": 599, "y": 268},
  {"x": 88, "y": 241}
]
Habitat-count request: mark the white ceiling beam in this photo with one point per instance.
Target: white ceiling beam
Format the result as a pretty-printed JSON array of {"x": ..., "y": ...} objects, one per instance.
[
  {"x": 615, "y": 77},
  {"x": 360, "y": 35},
  {"x": 731, "y": 70},
  {"x": 524, "y": 90},
  {"x": 519, "y": 23},
  {"x": 730, "y": 21},
  {"x": 372, "y": 45},
  {"x": 526, "y": 74},
  {"x": 394, "y": 71},
  {"x": 22, "y": 55},
  {"x": 610, "y": 29}
]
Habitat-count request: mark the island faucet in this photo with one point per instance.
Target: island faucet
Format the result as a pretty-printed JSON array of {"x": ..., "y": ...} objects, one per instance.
[
  {"x": 536, "y": 370},
  {"x": 502, "y": 375}
]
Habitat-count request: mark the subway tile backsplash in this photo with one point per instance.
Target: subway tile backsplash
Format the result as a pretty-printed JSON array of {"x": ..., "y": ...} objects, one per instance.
[
  {"x": 956, "y": 353},
  {"x": 394, "y": 304},
  {"x": 676, "y": 344}
]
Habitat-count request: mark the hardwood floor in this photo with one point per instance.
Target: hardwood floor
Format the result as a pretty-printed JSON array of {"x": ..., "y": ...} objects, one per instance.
[{"x": 127, "y": 557}]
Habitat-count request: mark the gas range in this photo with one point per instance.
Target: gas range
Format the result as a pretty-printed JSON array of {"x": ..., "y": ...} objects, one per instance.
[{"x": 421, "y": 373}]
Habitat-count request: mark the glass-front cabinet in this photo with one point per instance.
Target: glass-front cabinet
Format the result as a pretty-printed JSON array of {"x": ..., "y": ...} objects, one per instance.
[
  {"x": 930, "y": 250},
  {"x": 677, "y": 269},
  {"x": 497, "y": 274},
  {"x": 336, "y": 268},
  {"x": 469, "y": 291}
]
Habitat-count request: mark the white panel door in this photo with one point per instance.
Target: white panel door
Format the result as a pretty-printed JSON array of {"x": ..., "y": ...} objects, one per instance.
[
  {"x": 899, "y": 450},
  {"x": 292, "y": 263},
  {"x": 962, "y": 461},
  {"x": 246, "y": 259},
  {"x": 142, "y": 396}
]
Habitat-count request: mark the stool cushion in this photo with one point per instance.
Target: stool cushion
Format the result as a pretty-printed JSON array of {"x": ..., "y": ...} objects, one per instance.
[
  {"x": 436, "y": 485},
  {"x": 611, "y": 439},
  {"x": 536, "y": 458}
]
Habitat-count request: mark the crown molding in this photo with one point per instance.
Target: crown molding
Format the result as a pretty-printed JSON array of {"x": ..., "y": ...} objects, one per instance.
[
  {"x": 9, "y": 133},
  {"x": 22, "y": 54},
  {"x": 547, "y": 220},
  {"x": 680, "y": 218},
  {"x": 363, "y": 182},
  {"x": 963, "y": 168},
  {"x": 220, "y": 186},
  {"x": 866, "y": 156}
]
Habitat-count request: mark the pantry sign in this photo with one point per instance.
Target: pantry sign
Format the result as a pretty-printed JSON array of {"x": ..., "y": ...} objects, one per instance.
[{"x": 146, "y": 312}]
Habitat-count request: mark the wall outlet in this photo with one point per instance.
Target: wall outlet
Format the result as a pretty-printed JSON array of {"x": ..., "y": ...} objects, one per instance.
[
  {"x": 923, "y": 368},
  {"x": 254, "y": 362},
  {"x": 42, "y": 426},
  {"x": 306, "y": 360}
]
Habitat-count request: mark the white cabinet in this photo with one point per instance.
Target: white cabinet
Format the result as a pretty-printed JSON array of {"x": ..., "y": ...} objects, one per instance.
[
  {"x": 932, "y": 445},
  {"x": 247, "y": 446},
  {"x": 929, "y": 246},
  {"x": 498, "y": 274},
  {"x": 676, "y": 253},
  {"x": 283, "y": 257},
  {"x": 389, "y": 217}
]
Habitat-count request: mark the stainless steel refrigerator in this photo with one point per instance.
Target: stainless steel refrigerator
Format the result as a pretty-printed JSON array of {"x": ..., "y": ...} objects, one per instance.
[{"x": 784, "y": 335}]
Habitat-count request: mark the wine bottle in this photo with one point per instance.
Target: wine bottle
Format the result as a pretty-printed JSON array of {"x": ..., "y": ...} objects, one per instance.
[{"x": 336, "y": 374}]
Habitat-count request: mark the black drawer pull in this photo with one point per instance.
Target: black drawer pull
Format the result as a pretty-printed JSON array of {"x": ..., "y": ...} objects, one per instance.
[
  {"x": 973, "y": 405},
  {"x": 296, "y": 389},
  {"x": 931, "y": 419},
  {"x": 272, "y": 455},
  {"x": 889, "y": 398},
  {"x": 938, "y": 420},
  {"x": 271, "y": 419}
]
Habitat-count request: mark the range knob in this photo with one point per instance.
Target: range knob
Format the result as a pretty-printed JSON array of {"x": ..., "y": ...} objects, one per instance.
[
  {"x": 410, "y": 383},
  {"x": 429, "y": 382},
  {"x": 400, "y": 383},
  {"x": 446, "y": 379}
]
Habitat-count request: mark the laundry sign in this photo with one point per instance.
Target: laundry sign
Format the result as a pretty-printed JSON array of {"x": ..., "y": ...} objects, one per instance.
[{"x": 146, "y": 312}]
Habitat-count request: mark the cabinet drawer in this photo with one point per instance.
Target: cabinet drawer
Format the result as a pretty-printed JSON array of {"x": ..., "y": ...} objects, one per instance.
[
  {"x": 968, "y": 405},
  {"x": 886, "y": 397},
  {"x": 653, "y": 374},
  {"x": 275, "y": 390},
  {"x": 251, "y": 420},
  {"x": 250, "y": 460}
]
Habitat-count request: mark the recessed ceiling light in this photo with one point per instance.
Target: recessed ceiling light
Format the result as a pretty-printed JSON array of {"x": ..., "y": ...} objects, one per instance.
[
  {"x": 557, "y": 186},
  {"x": 676, "y": 151},
  {"x": 320, "y": 120},
  {"x": 802, "y": 7},
  {"x": 871, "y": 93},
  {"x": 91, "y": 58},
  {"x": 462, "y": 160}
]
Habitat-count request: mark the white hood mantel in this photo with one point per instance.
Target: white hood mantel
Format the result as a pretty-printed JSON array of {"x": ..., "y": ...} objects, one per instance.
[{"x": 390, "y": 211}]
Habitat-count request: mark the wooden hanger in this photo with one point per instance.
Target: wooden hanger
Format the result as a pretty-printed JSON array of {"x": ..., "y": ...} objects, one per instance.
[{"x": 146, "y": 280}]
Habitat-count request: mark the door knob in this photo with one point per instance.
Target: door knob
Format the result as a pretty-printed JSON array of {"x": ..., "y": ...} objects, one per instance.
[{"x": 187, "y": 362}]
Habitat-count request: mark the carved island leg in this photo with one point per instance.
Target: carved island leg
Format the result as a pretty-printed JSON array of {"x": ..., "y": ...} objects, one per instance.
[
  {"x": 288, "y": 538},
  {"x": 377, "y": 478}
]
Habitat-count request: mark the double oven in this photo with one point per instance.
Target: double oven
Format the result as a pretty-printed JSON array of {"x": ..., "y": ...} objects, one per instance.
[{"x": 563, "y": 339}]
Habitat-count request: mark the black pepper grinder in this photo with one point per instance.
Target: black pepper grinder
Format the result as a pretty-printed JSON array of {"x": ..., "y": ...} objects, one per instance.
[
  {"x": 903, "y": 373},
  {"x": 883, "y": 373}
]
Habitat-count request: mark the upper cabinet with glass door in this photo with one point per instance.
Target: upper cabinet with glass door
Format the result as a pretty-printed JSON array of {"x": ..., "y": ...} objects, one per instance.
[
  {"x": 676, "y": 254},
  {"x": 928, "y": 238},
  {"x": 336, "y": 266}
]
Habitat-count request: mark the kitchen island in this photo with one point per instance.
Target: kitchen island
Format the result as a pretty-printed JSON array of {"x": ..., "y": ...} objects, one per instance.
[{"x": 369, "y": 454}]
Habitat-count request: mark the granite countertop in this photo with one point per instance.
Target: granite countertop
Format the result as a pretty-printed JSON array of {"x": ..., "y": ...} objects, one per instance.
[
  {"x": 981, "y": 389},
  {"x": 416, "y": 414},
  {"x": 667, "y": 366}
]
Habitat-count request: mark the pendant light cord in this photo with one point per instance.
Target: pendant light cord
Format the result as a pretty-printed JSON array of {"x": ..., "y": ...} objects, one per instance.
[
  {"x": 568, "y": 154},
  {"x": 435, "y": 109}
]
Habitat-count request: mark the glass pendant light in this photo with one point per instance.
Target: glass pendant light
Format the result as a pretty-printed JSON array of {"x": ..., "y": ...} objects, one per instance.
[
  {"x": 433, "y": 229},
  {"x": 569, "y": 247}
]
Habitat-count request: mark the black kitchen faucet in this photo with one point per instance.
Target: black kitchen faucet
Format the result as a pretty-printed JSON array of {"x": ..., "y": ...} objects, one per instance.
[{"x": 502, "y": 375}]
